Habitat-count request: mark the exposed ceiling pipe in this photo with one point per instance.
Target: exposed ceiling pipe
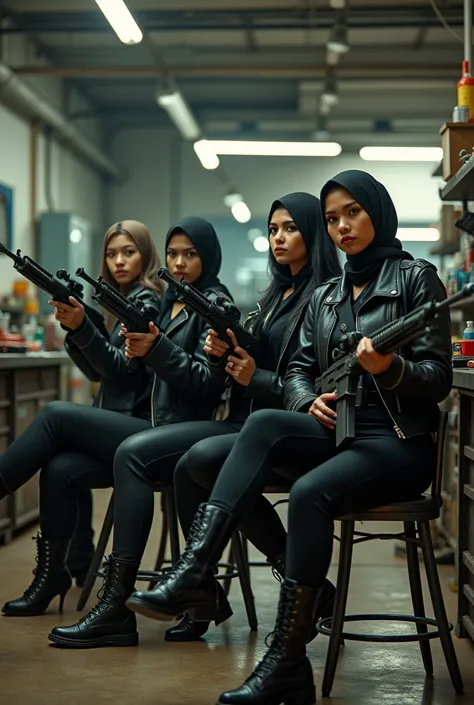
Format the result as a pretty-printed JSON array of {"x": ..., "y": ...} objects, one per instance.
[
  {"x": 271, "y": 72},
  {"x": 19, "y": 96}
]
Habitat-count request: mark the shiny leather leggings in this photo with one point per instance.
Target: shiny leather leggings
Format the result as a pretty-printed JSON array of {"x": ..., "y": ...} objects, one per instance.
[{"x": 376, "y": 468}]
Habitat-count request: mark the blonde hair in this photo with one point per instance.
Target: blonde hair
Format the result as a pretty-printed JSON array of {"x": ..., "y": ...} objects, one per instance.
[
  {"x": 150, "y": 258},
  {"x": 151, "y": 261}
]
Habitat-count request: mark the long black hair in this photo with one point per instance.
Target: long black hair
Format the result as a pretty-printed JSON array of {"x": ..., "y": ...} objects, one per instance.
[{"x": 323, "y": 261}]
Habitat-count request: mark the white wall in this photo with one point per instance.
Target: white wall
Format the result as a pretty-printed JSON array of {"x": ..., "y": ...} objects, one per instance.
[
  {"x": 75, "y": 186},
  {"x": 164, "y": 179}
]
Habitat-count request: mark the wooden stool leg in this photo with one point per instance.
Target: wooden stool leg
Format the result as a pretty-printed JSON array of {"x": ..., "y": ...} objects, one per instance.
[
  {"x": 342, "y": 588},
  {"x": 417, "y": 594},
  {"x": 98, "y": 555},
  {"x": 244, "y": 577},
  {"x": 438, "y": 606},
  {"x": 160, "y": 558}
]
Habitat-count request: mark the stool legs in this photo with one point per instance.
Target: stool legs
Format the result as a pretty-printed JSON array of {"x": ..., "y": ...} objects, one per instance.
[
  {"x": 416, "y": 590},
  {"x": 342, "y": 589},
  {"x": 98, "y": 555},
  {"x": 172, "y": 521},
  {"x": 160, "y": 558},
  {"x": 438, "y": 606},
  {"x": 244, "y": 578}
]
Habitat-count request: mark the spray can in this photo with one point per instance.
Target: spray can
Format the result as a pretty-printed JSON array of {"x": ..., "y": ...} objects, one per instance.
[{"x": 466, "y": 90}]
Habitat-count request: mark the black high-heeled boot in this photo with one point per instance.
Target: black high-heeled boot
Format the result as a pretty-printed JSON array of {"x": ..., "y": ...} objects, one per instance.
[
  {"x": 109, "y": 623},
  {"x": 190, "y": 630},
  {"x": 284, "y": 675},
  {"x": 52, "y": 578},
  {"x": 190, "y": 585}
]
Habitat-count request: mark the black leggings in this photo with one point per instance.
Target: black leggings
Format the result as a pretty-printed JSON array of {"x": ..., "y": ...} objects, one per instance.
[
  {"x": 377, "y": 468},
  {"x": 74, "y": 445},
  {"x": 195, "y": 476},
  {"x": 141, "y": 461}
]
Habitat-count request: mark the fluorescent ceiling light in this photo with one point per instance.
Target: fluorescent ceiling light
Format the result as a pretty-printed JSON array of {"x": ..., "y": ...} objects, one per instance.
[
  {"x": 261, "y": 244},
  {"x": 120, "y": 18},
  {"x": 241, "y": 212},
  {"x": 401, "y": 154},
  {"x": 418, "y": 234},
  {"x": 206, "y": 154},
  {"x": 180, "y": 113},
  {"x": 337, "y": 4},
  {"x": 256, "y": 148}
]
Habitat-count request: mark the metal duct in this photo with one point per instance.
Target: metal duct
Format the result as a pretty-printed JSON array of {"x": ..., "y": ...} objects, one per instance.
[{"x": 19, "y": 96}]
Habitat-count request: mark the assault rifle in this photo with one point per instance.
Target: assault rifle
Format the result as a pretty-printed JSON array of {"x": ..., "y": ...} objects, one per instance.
[
  {"x": 59, "y": 287},
  {"x": 220, "y": 314},
  {"x": 133, "y": 313},
  {"x": 344, "y": 374}
]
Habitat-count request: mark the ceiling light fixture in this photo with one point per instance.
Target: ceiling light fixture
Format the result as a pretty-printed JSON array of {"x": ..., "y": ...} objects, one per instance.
[
  {"x": 337, "y": 4},
  {"x": 261, "y": 244},
  {"x": 206, "y": 154},
  {"x": 256, "y": 148},
  {"x": 401, "y": 154},
  {"x": 238, "y": 207},
  {"x": 180, "y": 113},
  {"x": 337, "y": 41},
  {"x": 121, "y": 20},
  {"x": 330, "y": 94},
  {"x": 418, "y": 234}
]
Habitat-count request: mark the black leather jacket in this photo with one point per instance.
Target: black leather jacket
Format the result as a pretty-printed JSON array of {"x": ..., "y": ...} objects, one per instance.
[
  {"x": 184, "y": 388},
  {"x": 265, "y": 390},
  {"x": 102, "y": 360},
  {"x": 420, "y": 375}
]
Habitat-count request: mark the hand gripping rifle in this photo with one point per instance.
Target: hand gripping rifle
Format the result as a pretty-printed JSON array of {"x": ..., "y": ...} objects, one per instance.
[
  {"x": 343, "y": 375},
  {"x": 59, "y": 287},
  {"x": 133, "y": 313},
  {"x": 220, "y": 314}
]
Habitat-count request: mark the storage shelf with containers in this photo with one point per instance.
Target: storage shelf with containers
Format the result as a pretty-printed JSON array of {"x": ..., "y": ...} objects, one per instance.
[
  {"x": 27, "y": 383},
  {"x": 457, "y": 243}
]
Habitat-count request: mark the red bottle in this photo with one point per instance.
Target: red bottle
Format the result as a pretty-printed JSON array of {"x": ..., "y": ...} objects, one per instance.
[{"x": 466, "y": 90}]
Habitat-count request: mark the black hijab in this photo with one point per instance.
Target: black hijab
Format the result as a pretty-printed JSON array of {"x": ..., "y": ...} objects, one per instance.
[
  {"x": 305, "y": 212},
  {"x": 204, "y": 238},
  {"x": 375, "y": 199}
]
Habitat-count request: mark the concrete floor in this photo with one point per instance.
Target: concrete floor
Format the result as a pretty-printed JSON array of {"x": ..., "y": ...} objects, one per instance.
[{"x": 158, "y": 673}]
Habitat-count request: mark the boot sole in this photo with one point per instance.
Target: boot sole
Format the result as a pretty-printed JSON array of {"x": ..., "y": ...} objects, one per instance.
[
  {"x": 197, "y": 612},
  {"x": 116, "y": 640}
]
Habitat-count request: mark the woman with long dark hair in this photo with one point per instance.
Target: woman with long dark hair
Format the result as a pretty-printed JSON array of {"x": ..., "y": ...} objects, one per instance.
[{"x": 391, "y": 458}]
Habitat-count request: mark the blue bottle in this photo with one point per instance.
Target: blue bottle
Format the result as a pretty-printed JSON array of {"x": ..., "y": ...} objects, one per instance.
[{"x": 468, "y": 332}]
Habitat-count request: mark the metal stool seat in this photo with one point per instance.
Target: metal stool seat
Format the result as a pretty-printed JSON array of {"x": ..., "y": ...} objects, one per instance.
[{"x": 415, "y": 515}]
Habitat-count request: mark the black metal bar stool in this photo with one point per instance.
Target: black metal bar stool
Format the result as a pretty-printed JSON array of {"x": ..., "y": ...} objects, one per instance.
[{"x": 416, "y": 517}]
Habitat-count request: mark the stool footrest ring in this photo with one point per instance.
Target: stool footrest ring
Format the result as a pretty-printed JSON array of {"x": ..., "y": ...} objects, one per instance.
[{"x": 324, "y": 627}]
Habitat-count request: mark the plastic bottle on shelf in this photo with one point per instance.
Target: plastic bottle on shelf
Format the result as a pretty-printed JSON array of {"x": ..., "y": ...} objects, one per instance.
[{"x": 468, "y": 332}]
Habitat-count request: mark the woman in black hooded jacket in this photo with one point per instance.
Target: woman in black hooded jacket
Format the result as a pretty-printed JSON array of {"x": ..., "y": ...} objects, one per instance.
[
  {"x": 180, "y": 387},
  {"x": 391, "y": 458},
  {"x": 300, "y": 258}
]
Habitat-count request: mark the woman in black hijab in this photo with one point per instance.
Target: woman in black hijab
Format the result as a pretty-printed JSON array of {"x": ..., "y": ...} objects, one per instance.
[
  {"x": 301, "y": 257},
  {"x": 151, "y": 456},
  {"x": 391, "y": 458}
]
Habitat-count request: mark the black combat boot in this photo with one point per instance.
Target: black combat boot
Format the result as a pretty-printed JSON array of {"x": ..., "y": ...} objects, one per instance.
[
  {"x": 109, "y": 623},
  {"x": 284, "y": 675},
  {"x": 52, "y": 578},
  {"x": 190, "y": 630},
  {"x": 190, "y": 585}
]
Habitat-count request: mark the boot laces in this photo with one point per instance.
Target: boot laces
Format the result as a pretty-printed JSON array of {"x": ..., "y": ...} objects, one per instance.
[
  {"x": 41, "y": 571},
  {"x": 106, "y": 592},
  {"x": 195, "y": 533},
  {"x": 276, "y": 640}
]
